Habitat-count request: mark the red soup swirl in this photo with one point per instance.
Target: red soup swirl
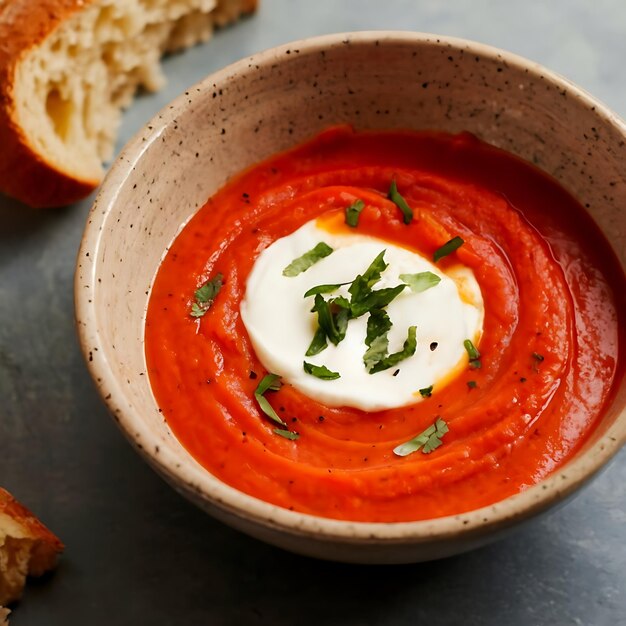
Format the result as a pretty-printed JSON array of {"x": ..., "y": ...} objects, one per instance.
[{"x": 525, "y": 389}]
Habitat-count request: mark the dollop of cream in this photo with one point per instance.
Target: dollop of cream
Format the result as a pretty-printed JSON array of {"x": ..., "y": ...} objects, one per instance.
[{"x": 281, "y": 325}]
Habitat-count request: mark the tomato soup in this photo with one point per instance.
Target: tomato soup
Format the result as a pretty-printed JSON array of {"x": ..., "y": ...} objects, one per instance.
[{"x": 530, "y": 389}]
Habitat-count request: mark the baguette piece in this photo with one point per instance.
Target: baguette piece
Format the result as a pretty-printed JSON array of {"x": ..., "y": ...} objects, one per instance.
[
  {"x": 68, "y": 68},
  {"x": 27, "y": 548}
]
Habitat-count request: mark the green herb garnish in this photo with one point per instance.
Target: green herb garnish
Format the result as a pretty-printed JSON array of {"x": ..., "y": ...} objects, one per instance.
[
  {"x": 270, "y": 382},
  {"x": 334, "y": 314},
  {"x": 373, "y": 273},
  {"x": 205, "y": 295},
  {"x": 473, "y": 354},
  {"x": 318, "y": 343},
  {"x": 400, "y": 202},
  {"x": 421, "y": 281},
  {"x": 302, "y": 263},
  {"x": 374, "y": 299},
  {"x": 363, "y": 299},
  {"x": 408, "y": 350},
  {"x": 320, "y": 371},
  {"x": 333, "y": 323},
  {"x": 428, "y": 440},
  {"x": 323, "y": 289},
  {"x": 448, "y": 248},
  {"x": 378, "y": 326},
  {"x": 426, "y": 392},
  {"x": 471, "y": 384},
  {"x": 353, "y": 212},
  {"x": 287, "y": 434}
]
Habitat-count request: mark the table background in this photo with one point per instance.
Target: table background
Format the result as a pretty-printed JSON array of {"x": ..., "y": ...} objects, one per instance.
[{"x": 137, "y": 553}]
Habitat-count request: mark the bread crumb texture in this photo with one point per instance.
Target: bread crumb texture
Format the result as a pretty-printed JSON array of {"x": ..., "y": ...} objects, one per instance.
[
  {"x": 69, "y": 68},
  {"x": 27, "y": 548}
]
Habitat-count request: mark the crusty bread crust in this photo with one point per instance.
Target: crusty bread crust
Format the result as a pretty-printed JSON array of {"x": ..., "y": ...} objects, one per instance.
[
  {"x": 29, "y": 170},
  {"x": 24, "y": 173},
  {"x": 27, "y": 547}
]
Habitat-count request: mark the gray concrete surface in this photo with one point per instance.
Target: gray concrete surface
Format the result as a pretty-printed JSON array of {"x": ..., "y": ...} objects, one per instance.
[{"x": 137, "y": 553}]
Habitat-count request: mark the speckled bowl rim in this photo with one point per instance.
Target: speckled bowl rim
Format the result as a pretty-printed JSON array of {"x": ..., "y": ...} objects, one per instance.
[{"x": 189, "y": 477}]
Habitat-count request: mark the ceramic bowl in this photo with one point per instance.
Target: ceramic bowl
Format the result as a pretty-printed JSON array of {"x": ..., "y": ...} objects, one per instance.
[{"x": 267, "y": 103}]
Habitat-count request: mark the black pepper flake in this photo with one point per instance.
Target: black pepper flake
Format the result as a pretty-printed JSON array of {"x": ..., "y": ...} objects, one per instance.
[
  {"x": 252, "y": 375},
  {"x": 537, "y": 356},
  {"x": 320, "y": 418},
  {"x": 433, "y": 346},
  {"x": 282, "y": 408},
  {"x": 522, "y": 380},
  {"x": 294, "y": 419},
  {"x": 396, "y": 373}
]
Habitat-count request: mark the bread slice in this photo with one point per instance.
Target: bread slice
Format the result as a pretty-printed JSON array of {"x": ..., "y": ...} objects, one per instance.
[
  {"x": 68, "y": 68},
  {"x": 27, "y": 547}
]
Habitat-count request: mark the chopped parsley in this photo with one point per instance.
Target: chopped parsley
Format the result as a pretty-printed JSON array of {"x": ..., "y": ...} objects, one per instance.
[
  {"x": 471, "y": 384},
  {"x": 371, "y": 299},
  {"x": 427, "y": 441},
  {"x": 334, "y": 314},
  {"x": 318, "y": 343},
  {"x": 378, "y": 326},
  {"x": 421, "y": 281},
  {"x": 408, "y": 350},
  {"x": 426, "y": 392},
  {"x": 448, "y": 248},
  {"x": 332, "y": 317},
  {"x": 400, "y": 202},
  {"x": 270, "y": 382},
  {"x": 320, "y": 371},
  {"x": 323, "y": 289},
  {"x": 302, "y": 263},
  {"x": 363, "y": 298},
  {"x": 473, "y": 354},
  {"x": 287, "y": 434},
  {"x": 205, "y": 296},
  {"x": 353, "y": 212}
]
